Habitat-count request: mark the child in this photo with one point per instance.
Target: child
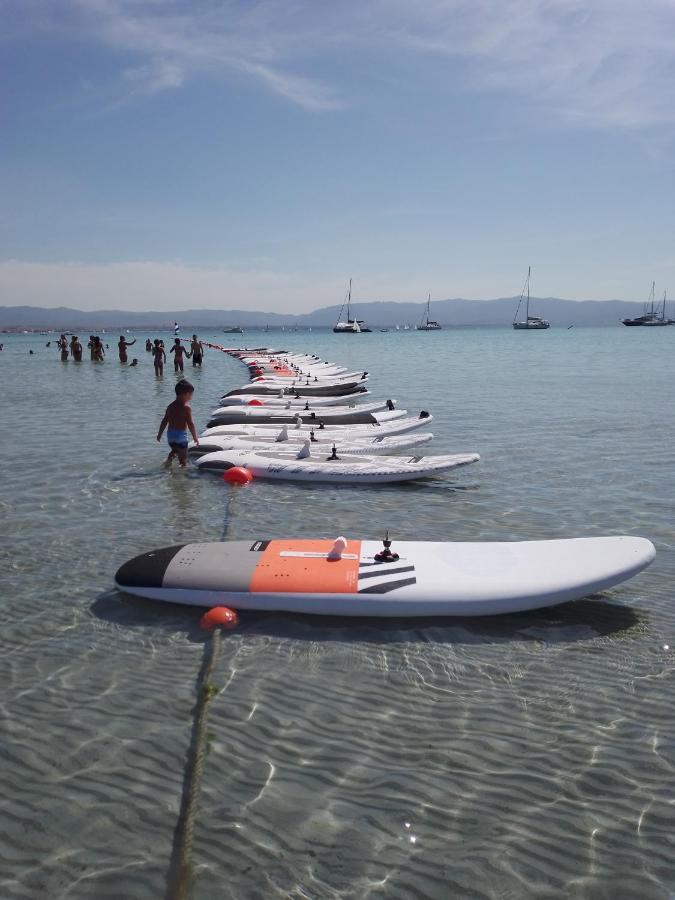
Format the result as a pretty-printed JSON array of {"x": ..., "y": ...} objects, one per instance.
[
  {"x": 178, "y": 417},
  {"x": 159, "y": 357},
  {"x": 178, "y": 350}
]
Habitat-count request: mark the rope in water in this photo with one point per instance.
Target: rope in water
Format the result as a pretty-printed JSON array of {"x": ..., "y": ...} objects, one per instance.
[{"x": 181, "y": 871}]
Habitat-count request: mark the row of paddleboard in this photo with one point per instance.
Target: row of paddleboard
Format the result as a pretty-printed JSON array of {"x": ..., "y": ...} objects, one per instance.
[
  {"x": 363, "y": 577},
  {"x": 315, "y": 437}
]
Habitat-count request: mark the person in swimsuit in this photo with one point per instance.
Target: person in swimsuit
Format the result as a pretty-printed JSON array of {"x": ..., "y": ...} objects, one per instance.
[
  {"x": 122, "y": 345},
  {"x": 91, "y": 345},
  {"x": 197, "y": 351},
  {"x": 98, "y": 353},
  {"x": 63, "y": 347},
  {"x": 76, "y": 348},
  {"x": 178, "y": 418},
  {"x": 178, "y": 350},
  {"x": 159, "y": 357},
  {"x": 148, "y": 346}
]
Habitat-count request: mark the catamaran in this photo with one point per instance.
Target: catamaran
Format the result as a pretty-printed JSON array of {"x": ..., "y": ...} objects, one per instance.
[
  {"x": 428, "y": 324},
  {"x": 531, "y": 323},
  {"x": 651, "y": 315},
  {"x": 350, "y": 326}
]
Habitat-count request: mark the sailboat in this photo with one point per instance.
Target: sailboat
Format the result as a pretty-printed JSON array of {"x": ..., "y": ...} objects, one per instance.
[
  {"x": 651, "y": 316},
  {"x": 428, "y": 324},
  {"x": 529, "y": 323},
  {"x": 350, "y": 326}
]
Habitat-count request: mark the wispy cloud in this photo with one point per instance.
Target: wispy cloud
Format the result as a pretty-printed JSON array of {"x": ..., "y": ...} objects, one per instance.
[
  {"x": 591, "y": 63},
  {"x": 596, "y": 63},
  {"x": 179, "y": 40}
]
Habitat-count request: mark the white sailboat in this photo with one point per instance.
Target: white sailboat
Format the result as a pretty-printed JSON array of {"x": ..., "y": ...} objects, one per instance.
[
  {"x": 529, "y": 323},
  {"x": 428, "y": 324},
  {"x": 350, "y": 326}
]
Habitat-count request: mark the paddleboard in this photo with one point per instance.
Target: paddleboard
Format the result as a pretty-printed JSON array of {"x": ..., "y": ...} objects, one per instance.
[
  {"x": 254, "y": 414},
  {"x": 375, "y": 429},
  {"x": 428, "y": 578},
  {"x": 305, "y": 390},
  {"x": 291, "y": 445},
  {"x": 343, "y": 470},
  {"x": 289, "y": 400}
]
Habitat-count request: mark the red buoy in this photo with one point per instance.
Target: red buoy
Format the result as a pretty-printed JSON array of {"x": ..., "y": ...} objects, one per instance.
[
  {"x": 237, "y": 475},
  {"x": 219, "y": 615},
  {"x": 255, "y": 403}
]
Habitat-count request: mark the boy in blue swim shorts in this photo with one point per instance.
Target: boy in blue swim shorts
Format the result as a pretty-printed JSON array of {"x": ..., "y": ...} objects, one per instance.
[{"x": 178, "y": 418}]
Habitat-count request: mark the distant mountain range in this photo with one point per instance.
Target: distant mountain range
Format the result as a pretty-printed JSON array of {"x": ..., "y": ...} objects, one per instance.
[{"x": 449, "y": 313}]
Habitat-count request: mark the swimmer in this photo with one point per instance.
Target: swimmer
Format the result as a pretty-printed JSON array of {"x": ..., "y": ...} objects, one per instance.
[
  {"x": 122, "y": 345},
  {"x": 178, "y": 417},
  {"x": 76, "y": 348},
  {"x": 178, "y": 350},
  {"x": 159, "y": 357},
  {"x": 134, "y": 362},
  {"x": 197, "y": 351},
  {"x": 63, "y": 347},
  {"x": 148, "y": 346}
]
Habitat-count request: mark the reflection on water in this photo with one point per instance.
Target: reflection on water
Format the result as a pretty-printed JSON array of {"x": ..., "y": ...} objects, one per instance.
[{"x": 529, "y": 755}]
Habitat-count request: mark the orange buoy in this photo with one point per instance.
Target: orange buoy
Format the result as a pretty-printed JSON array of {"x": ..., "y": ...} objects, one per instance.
[
  {"x": 237, "y": 475},
  {"x": 219, "y": 615}
]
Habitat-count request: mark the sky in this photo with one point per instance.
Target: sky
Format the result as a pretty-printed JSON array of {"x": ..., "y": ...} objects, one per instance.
[{"x": 157, "y": 154}]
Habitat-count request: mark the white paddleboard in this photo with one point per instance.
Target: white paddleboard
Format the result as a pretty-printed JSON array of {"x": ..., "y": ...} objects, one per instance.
[
  {"x": 376, "y": 429},
  {"x": 291, "y": 445},
  {"x": 344, "y": 470},
  {"x": 428, "y": 579},
  {"x": 331, "y": 415},
  {"x": 290, "y": 400}
]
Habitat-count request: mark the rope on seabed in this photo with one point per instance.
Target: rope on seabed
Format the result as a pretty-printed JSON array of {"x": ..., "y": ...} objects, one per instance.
[{"x": 179, "y": 878}]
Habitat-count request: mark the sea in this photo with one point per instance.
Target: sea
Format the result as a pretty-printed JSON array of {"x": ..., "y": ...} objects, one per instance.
[{"x": 529, "y": 755}]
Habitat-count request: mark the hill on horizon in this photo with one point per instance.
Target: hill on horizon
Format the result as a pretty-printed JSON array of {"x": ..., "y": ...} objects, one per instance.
[{"x": 455, "y": 312}]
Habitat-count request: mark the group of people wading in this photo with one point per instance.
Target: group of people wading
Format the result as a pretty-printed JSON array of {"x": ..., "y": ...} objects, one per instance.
[
  {"x": 97, "y": 351},
  {"x": 74, "y": 348},
  {"x": 195, "y": 352}
]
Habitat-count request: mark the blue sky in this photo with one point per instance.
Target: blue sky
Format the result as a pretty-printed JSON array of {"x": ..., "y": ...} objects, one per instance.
[{"x": 232, "y": 154}]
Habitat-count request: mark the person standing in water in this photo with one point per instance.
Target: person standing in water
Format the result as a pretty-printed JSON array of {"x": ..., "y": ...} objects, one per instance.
[
  {"x": 63, "y": 347},
  {"x": 197, "y": 351},
  {"x": 159, "y": 357},
  {"x": 98, "y": 353},
  {"x": 178, "y": 417},
  {"x": 76, "y": 348},
  {"x": 148, "y": 345},
  {"x": 122, "y": 348},
  {"x": 178, "y": 350}
]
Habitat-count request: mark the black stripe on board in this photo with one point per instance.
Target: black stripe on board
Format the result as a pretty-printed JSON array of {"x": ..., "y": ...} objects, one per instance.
[
  {"x": 385, "y": 569},
  {"x": 259, "y": 546},
  {"x": 388, "y": 586}
]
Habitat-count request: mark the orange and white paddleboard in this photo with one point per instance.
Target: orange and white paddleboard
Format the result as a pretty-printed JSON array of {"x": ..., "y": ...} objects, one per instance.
[{"x": 351, "y": 578}]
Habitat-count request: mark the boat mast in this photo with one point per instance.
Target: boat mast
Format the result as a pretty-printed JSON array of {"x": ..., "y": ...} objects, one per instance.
[
  {"x": 428, "y": 308},
  {"x": 349, "y": 302},
  {"x": 527, "y": 306}
]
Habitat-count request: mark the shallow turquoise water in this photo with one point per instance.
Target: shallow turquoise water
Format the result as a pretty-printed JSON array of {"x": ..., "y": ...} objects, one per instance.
[{"x": 527, "y": 756}]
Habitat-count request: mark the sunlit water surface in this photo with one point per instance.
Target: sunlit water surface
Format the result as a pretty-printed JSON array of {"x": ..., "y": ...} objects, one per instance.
[{"x": 529, "y": 756}]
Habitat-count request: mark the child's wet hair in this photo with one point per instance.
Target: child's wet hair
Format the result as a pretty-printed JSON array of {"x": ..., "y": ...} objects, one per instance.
[{"x": 184, "y": 387}]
